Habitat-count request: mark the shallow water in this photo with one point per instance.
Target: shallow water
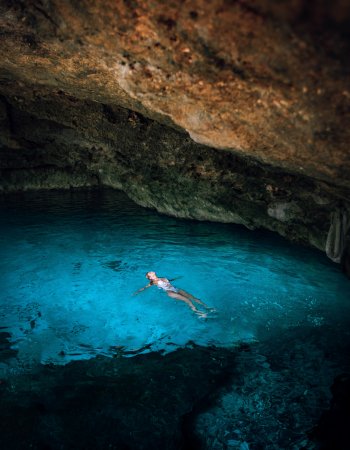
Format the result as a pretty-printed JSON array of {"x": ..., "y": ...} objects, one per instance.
[{"x": 70, "y": 263}]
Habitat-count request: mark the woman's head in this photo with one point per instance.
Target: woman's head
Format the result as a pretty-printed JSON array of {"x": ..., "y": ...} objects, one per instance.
[{"x": 151, "y": 275}]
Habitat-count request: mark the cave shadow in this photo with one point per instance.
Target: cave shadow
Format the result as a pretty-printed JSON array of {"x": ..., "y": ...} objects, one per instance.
[{"x": 119, "y": 403}]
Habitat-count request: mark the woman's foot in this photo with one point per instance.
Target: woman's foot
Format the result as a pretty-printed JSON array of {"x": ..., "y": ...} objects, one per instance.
[
  {"x": 201, "y": 314},
  {"x": 209, "y": 308}
]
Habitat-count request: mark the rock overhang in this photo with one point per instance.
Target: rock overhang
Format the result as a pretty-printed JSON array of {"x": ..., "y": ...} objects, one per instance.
[{"x": 268, "y": 83}]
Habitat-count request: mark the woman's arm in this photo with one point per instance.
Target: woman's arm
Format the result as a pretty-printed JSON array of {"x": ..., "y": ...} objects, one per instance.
[
  {"x": 142, "y": 289},
  {"x": 176, "y": 278}
]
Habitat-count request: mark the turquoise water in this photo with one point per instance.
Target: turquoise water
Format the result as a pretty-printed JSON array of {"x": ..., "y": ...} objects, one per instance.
[{"x": 70, "y": 263}]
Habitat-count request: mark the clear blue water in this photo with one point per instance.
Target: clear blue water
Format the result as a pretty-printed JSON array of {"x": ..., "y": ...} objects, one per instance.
[{"x": 70, "y": 263}]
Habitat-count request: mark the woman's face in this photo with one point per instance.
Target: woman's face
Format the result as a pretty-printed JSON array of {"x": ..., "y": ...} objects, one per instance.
[{"x": 151, "y": 276}]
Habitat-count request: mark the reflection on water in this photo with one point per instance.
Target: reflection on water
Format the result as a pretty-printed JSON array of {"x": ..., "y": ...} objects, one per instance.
[{"x": 71, "y": 261}]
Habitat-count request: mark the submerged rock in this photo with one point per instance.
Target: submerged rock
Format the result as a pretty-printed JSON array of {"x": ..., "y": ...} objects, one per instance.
[
  {"x": 277, "y": 406},
  {"x": 333, "y": 431},
  {"x": 119, "y": 403},
  {"x": 6, "y": 352}
]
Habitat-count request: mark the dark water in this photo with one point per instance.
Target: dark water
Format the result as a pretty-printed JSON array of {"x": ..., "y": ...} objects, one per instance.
[{"x": 70, "y": 263}]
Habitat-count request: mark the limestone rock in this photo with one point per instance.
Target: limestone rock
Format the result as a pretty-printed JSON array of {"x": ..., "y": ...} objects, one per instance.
[
  {"x": 284, "y": 211},
  {"x": 209, "y": 110},
  {"x": 253, "y": 78},
  {"x": 336, "y": 238}
]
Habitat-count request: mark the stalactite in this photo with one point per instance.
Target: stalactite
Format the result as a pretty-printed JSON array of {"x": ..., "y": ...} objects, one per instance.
[{"x": 336, "y": 238}]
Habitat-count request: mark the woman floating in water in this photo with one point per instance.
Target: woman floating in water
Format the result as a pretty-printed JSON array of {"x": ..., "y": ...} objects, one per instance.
[{"x": 172, "y": 291}]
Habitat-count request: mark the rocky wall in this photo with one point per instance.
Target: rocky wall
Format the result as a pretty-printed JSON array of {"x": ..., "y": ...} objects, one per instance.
[
  {"x": 230, "y": 111},
  {"x": 52, "y": 141}
]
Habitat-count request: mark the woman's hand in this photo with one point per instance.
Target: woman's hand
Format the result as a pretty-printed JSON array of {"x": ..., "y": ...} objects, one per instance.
[{"x": 141, "y": 289}]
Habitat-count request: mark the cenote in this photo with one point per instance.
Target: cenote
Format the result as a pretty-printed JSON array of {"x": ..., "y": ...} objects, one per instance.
[{"x": 145, "y": 370}]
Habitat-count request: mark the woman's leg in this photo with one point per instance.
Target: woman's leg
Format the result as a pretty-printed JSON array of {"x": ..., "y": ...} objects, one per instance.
[
  {"x": 192, "y": 297},
  {"x": 178, "y": 296}
]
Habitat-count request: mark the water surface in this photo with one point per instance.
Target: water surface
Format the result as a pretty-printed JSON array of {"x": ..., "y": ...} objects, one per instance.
[{"x": 70, "y": 262}]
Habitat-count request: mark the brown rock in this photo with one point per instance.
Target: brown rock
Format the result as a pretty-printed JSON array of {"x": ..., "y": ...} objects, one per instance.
[
  {"x": 228, "y": 111},
  {"x": 259, "y": 79}
]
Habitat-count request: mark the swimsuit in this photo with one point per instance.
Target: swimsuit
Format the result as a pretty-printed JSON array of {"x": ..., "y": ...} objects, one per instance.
[{"x": 166, "y": 286}]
